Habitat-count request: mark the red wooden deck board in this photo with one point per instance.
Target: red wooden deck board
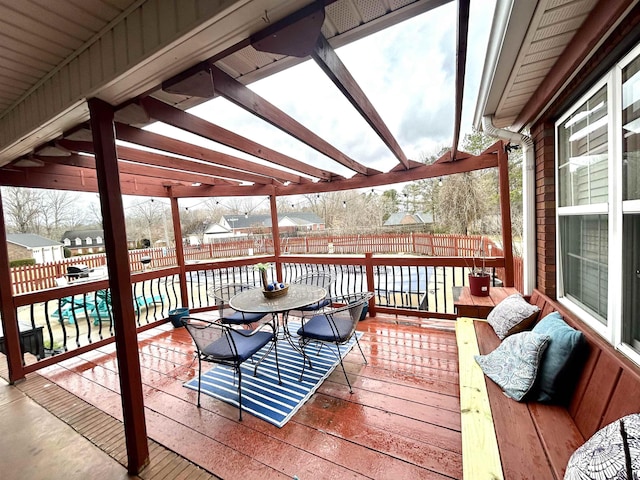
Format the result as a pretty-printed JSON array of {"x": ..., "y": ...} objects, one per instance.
[{"x": 402, "y": 421}]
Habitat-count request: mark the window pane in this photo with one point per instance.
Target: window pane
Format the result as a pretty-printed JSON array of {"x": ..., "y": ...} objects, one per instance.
[
  {"x": 631, "y": 281},
  {"x": 584, "y": 257},
  {"x": 631, "y": 131},
  {"x": 583, "y": 154}
]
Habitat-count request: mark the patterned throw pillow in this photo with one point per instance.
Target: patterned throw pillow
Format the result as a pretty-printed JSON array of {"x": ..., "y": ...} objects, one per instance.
[
  {"x": 514, "y": 364},
  {"x": 603, "y": 456},
  {"x": 512, "y": 315}
]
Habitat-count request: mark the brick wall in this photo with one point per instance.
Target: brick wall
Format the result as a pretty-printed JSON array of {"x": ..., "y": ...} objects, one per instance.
[
  {"x": 16, "y": 252},
  {"x": 543, "y": 137}
]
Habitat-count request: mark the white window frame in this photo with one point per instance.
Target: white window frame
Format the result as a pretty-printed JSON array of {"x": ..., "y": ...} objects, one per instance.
[{"x": 614, "y": 209}]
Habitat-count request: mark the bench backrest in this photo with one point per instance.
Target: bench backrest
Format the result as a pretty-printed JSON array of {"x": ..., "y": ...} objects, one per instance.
[{"x": 609, "y": 384}]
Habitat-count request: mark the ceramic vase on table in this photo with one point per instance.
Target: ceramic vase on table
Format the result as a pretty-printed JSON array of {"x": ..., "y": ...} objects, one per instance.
[{"x": 479, "y": 285}]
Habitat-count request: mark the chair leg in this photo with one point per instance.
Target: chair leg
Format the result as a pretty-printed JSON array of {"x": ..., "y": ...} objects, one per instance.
[
  {"x": 343, "y": 369},
  {"x": 199, "y": 378},
  {"x": 239, "y": 391},
  {"x": 360, "y": 348}
]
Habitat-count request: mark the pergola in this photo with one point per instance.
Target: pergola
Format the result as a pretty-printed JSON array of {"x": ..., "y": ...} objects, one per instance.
[{"x": 86, "y": 157}]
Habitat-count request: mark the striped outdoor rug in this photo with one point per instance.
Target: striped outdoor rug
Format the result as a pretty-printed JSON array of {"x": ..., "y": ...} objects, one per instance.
[{"x": 261, "y": 395}]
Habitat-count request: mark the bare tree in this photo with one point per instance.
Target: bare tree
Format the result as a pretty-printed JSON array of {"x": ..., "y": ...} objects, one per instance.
[
  {"x": 59, "y": 211},
  {"x": 22, "y": 209},
  {"x": 462, "y": 203}
]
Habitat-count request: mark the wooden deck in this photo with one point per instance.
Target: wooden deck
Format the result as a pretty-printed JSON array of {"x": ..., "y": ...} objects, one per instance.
[{"x": 402, "y": 421}]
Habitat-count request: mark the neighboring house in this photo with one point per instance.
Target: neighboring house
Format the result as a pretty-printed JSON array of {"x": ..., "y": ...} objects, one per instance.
[
  {"x": 83, "y": 242},
  {"x": 231, "y": 225},
  {"x": 29, "y": 245},
  {"x": 563, "y": 81},
  {"x": 404, "y": 219}
]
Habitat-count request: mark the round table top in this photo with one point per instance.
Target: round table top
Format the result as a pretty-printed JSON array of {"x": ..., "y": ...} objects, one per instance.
[{"x": 298, "y": 296}]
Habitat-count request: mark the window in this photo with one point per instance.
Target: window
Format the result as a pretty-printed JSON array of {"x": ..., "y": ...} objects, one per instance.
[
  {"x": 67, "y": 242},
  {"x": 78, "y": 241},
  {"x": 99, "y": 240},
  {"x": 598, "y": 199},
  {"x": 88, "y": 240},
  {"x": 583, "y": 191}
]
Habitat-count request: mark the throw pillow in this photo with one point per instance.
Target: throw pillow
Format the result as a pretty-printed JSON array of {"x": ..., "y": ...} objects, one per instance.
[
  {"x": 514, "y": 364},
  {"x": 603, "y": 456},
  {"x": 512, "y": 315},
  {"x": 561, "y": 362}
]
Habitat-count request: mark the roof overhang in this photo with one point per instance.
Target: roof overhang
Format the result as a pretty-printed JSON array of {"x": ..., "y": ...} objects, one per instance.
[{"x": 535, "y": 50}]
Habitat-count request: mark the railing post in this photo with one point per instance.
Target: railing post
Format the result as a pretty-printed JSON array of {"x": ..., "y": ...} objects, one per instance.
[{"x": 368, "y": 265}]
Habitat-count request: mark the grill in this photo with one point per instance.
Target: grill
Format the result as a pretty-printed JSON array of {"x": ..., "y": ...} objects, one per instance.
[{"x": 77, "y": 271}]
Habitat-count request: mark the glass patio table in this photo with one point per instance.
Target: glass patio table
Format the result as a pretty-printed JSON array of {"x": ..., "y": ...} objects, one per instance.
[{"x": 298, "y": 296}]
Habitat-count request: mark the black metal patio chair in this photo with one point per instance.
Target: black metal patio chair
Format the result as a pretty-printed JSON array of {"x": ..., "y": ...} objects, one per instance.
[
  {"x": 222, "y": 344},
  {"x": 335, "y": 326},
  {"x": 324, "y": 280},
  {"x": 222, "y": 294}
]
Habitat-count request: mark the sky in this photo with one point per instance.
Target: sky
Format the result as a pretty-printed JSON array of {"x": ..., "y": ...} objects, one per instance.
[{"x": 408, "y": 73}]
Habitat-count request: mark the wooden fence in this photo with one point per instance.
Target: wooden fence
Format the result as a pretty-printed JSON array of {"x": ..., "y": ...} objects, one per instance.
[{"x": 39, "y": 277}]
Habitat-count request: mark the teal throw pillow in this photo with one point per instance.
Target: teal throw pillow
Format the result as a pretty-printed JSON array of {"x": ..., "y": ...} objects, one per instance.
[
  {"x": 560, "y": 364},
  {"x": 514, "y": 364}
]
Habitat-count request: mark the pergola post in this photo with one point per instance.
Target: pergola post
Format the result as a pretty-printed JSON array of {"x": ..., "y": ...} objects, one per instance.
[
  {"x": 505, "y": 214},
  {"x": 9, "y": 318},
  {"x": 177, "y": 234},
  {"x": 115, "y": 239},
  {"x": 275, "y": 233}
]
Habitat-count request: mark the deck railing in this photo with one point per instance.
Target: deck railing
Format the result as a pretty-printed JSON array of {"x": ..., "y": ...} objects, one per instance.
[
  {"x": 77, "y": 318},
  {"x": 32, "y": 278}
]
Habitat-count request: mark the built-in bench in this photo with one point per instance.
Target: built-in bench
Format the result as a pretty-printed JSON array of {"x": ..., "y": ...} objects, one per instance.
[{"x": 502, "y": 438}]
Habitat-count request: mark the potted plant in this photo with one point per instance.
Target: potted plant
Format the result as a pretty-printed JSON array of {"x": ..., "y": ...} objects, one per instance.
[
  {"x": 479, "y": 277},
  {"x": 262, "y": 268}
]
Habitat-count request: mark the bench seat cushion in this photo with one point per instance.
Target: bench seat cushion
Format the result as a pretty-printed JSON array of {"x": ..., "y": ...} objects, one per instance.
[{"x": 514, "y": 364}]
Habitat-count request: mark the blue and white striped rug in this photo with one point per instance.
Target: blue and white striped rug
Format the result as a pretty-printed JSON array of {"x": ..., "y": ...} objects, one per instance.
[{"x": 262, "y": 396}]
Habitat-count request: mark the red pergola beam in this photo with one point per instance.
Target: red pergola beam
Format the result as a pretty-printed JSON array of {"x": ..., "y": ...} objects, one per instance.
[
  {"x": 167, "y": 161},
  {"x": 180, "y": 119},
  {"x": 327, "y": 59},
  {"x": 160, "y": 142},
  {"x": 78, "y": 179},
  {"x": 466, "y": 164},
  {"x": 125, "y": 167},
  {"x": 242, "y": 96}
]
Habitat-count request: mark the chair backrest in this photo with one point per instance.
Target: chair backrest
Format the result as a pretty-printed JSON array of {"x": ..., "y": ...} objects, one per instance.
[
  {"x": 352, "y": 310},
  {"x": 205, "y": 332},
  {"x": 324, "y": 280},
  {"x": 223, "y": 293}
]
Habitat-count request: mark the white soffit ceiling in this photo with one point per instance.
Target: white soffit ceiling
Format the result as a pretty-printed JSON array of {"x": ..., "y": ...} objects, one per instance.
[{"x": 553, "y": 26}]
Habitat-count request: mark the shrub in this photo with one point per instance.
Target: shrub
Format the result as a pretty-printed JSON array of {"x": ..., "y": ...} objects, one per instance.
[{"x": 22, "y": 262}]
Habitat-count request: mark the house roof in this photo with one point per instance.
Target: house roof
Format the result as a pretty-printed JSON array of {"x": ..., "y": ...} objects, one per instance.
[
  {"x": 535, "y": 49},
  {"x": 264, "y": 220},
  {"x": 404, "y": 218},
  {"x": 94, "y": 233},
  {"x": 30, "y": 240}
]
